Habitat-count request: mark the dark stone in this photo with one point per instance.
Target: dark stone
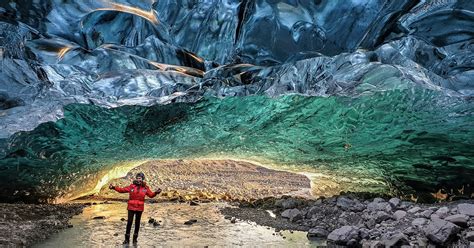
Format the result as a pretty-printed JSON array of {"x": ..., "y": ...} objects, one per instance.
[
  {"x": 99, "y": 217},
  {"x": 466, "y": 209},
  {"x": 381, "y": 216},
  {"x": 317, "y": 233},
  {"x": 399, "y": 214},
  {"x": 440, "y": 231},
  {"x": 458, "y": 219},
  {"x": 343, "y": 235},
  {"x": 396, "y": 240},
  {"x": 286, "y": 203},
  {"x": 394, "y": 202},
  {"x": 470, "y": 236},
  {"x": 292, "y": 214}
]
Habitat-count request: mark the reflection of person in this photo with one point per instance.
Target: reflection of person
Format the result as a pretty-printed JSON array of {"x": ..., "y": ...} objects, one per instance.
[{"x": 136, "y": 203}]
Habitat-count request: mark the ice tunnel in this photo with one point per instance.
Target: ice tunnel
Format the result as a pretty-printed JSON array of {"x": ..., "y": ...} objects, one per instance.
[{"x": 380, "y": 92}]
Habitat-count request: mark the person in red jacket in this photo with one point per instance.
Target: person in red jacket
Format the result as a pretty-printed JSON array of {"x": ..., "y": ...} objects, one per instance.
[{"x": 136, "y": 203}]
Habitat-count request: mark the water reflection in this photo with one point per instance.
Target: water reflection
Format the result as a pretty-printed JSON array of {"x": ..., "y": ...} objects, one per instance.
[{"x": 211, "y": 229}]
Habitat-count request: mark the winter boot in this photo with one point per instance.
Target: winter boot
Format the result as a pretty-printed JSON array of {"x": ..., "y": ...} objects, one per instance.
[
  {"x": 135, "y": 238},
  {"x": 127, "y": 239}
]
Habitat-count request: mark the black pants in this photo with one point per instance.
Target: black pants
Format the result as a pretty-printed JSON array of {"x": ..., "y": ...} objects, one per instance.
[{"x": 138, "y": 216}]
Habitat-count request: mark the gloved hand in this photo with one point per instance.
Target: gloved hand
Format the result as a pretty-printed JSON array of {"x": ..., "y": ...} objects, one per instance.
[
  {"x": 158, "y": 191},
  {"x": 111, "y": 186}
]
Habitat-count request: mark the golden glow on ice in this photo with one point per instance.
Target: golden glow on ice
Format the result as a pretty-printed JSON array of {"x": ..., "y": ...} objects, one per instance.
[{"x": 148, "y": 15}]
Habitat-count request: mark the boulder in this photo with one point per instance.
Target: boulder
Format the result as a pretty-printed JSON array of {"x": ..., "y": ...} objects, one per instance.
[
  {"x": 470, "y": 236},
  {"x": 349, "y": 204},
  {"x": 399, "y": 214},
  {"x": 344, "y": 202},
  {"x": 379, "y": 206},
  {"x": 286, "y": 203},
  {"x": 343, "y": 235},
  {"x": 458, "y": 219},
  {"x": 312, "y": 211},
  {"x": 394, "y": 202},
  {"x": 413, "y": 210},
  {"x": 418, "y": 222},
  {"x": 317, "y": 233},
  {"x": 440, "y": 231},
  {"x": 425, "y": 214},
  {"x": 381, "y": 216},
  {"x": 292, "y": 214},
  {"x": 372, "y": 244},
  {"x": 442, "y": 212},
  {"x": 396, "y": 240},
  {"x": 466, "y": 209}
]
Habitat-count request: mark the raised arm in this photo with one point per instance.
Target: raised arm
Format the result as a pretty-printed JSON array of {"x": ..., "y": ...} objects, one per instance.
[
  {"x": 150, "y": 193},
  {"x": 119, "y": 189}
]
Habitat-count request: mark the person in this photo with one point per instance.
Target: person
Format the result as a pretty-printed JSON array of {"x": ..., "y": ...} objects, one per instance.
[{"x": 136, "y": 203}]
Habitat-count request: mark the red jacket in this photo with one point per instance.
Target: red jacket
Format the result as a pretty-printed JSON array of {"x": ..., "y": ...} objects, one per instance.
[{"x": 136, "y": 199}]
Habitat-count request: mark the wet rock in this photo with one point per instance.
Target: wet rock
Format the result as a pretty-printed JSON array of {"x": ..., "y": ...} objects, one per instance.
[
  {"x": 441, "y": 231},
  {"x": 414, "y": 210},
  {"x": 396, "y": 240},
  {"x": 394, "y": 202},
  {"x": 364, "y": 233},
  {"x": 378, "y": 200},
  {"x": 466, "y": 209},
  {"x": 399, "y": 214},
  {"x": 343, "y": 235},
  {"x": 372, "y": 244},
  {"x": 313, "y": 211},
  {"x": 470, "y": 236},
  {"x": 471, "y": 223},
  {"x": 292, "y": 214},
  {"x": 286, "y": 203},
  {"x": 410, "y": 231},
  {"x": 381, "y": 216},
  {"x": 418, "y": 222},
  {"x": 425, "y": 214},
  {"x": 404, "y": 205},
  {"x": 458, "y": 219},
  {"x": 434, "y": 216},
  {"x": 379, "y": 206},
  {"x": 454, "y": 211},
  {"x": 317, "y": 233},
  {"x": 442, "y": 212},
  {"x": 344, "y": 203},
  {"x": 421, "y": 242}
]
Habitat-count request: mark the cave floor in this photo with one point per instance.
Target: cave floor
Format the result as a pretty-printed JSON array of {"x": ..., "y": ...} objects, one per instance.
[{"x": 103, "y": 225}]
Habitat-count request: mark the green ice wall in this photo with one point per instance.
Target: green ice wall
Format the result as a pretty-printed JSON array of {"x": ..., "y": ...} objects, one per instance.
[{"x": 415, "y": 139}]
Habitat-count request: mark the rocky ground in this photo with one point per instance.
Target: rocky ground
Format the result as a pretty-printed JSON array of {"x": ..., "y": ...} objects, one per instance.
[
  {"x": 354, "y": 222},
  {"x": 22, "y": 225},
  {"x": 203, "y": 180}
]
